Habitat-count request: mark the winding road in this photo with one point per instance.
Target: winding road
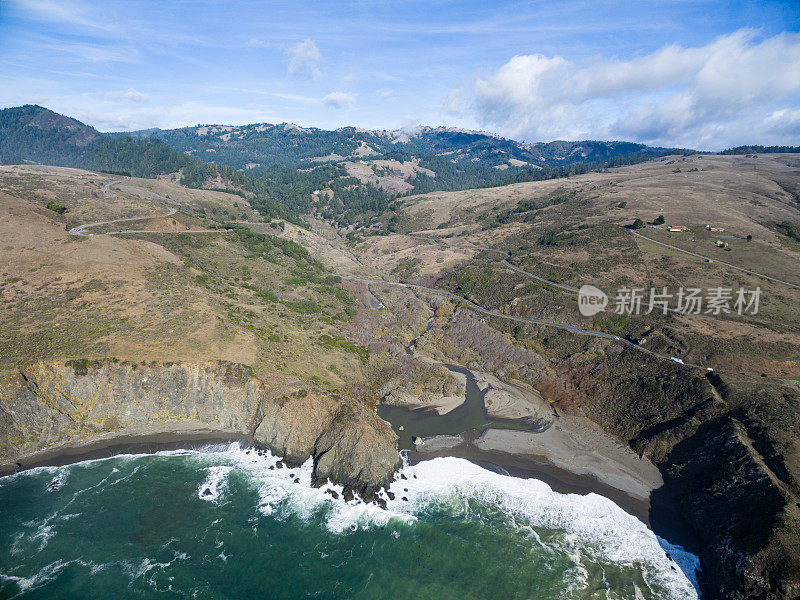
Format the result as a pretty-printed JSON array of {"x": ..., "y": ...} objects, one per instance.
[
  {"x": 81, "y": 229},
  {"x": 539, "y": 279},
  {"x": 563, "y": 326}
]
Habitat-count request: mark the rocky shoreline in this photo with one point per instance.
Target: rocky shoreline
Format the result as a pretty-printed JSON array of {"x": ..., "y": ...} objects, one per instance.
[
  {"x": 118, "y": 443},
  {"x": 50, "y": 407},
  {"x": 57, "y": 413},
  {"x": 508, "y": 459}
]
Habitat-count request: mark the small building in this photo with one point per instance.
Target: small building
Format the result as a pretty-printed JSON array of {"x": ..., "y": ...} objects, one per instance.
[{"x": 678, "y": 228}]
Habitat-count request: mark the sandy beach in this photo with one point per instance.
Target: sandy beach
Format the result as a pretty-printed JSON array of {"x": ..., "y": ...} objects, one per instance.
[
  {"x": 529, "y": 438},
  {"x": 559, "y": 456},
  {"x": 134, "y": 441}
]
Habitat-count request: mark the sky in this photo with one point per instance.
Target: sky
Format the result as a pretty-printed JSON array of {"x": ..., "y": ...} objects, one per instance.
[{"x": 705, "y": 74}]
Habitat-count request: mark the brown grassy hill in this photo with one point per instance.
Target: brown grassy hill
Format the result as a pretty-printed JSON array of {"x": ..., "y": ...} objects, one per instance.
[
  {"x": 727, "y": 441},
  {"x": 233, "y": 296}
]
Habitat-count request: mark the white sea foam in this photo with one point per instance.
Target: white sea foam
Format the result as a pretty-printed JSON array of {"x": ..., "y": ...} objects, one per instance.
[
  {"x": 46, "y": 573},
  {"x": 135, "y": 570},
  {"x": 597, "y": 522},
  {"x": 214, "y": 485},
  {"x": 286, "y": 490},
  {"x": 593, "y": 523}
]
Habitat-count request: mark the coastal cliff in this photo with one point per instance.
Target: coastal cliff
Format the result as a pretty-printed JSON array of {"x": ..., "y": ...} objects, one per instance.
[{"x": 50, "y": 404}]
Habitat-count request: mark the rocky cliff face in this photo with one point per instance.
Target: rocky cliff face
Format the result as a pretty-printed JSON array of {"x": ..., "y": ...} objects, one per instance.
[
  {"x": 350, "y": 444},
  {"x": 48, "y": 404},
  {"x": 745, "y": 516},
  {"x": 728, "y": 447}
]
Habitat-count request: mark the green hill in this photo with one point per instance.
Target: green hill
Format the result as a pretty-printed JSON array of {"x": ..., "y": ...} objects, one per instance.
[{"x": 349, "y": 175}]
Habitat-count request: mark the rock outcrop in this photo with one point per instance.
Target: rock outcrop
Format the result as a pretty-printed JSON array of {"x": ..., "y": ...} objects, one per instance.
[
  {"x": 49, "y": 404},
  {"x": 743, "y": 514}
]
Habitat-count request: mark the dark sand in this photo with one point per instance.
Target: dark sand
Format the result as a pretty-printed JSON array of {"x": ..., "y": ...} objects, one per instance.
[
  {"x": 658, "y": 511},
  {"x": 113, "y": 445}
]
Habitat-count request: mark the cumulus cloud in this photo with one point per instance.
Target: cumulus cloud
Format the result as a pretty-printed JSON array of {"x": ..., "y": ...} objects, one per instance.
[
  {"x": 340, "y": 100},
  {"x": 134, "y": 96},
  {"x": 734, "y": 90},
  {"x": 304, "y": 59}
]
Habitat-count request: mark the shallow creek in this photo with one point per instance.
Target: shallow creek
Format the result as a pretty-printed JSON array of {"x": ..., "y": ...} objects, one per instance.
[{"x": 427, "y": 422}]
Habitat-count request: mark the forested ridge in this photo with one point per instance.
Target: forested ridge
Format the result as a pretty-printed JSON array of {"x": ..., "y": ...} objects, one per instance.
[{"x": 285, "y": 171}]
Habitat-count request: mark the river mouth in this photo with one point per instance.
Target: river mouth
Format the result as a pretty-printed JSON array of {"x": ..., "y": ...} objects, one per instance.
[{"x": 471, "y": 415}]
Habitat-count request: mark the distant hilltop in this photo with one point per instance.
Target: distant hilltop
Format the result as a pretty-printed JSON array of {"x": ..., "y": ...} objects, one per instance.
[{"x": 285, "y": 170}]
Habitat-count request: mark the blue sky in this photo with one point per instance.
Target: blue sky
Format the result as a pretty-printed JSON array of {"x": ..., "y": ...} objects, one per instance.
[{"x": 678, "y": 72}]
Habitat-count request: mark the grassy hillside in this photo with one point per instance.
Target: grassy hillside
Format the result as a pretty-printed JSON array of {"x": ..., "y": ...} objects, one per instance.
[
  {"x": 213, "y": 281},
  {"x": 284, "y": 171},
  {"x": 229, "y": 294},
  {"x": 727, "y": 441}
]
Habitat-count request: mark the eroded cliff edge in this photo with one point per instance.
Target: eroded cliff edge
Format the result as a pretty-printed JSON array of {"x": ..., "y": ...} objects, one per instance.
[{"x": 47, "y": 404}]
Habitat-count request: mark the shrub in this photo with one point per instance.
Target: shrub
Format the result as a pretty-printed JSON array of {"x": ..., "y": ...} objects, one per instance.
[
  {"x": 57, "y": 208},
  {"x": 304, "y": 307},
  {"x": 337, "y": 341},
  {"x": 790, "y": 229}
]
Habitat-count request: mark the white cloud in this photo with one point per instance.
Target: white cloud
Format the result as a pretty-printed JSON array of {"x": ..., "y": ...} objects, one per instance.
[
  {"x": 410, "y": 124},
  {"x": 142, "y": 116},
  {"x": 340, "y": 100},
  {"x": 736, "y": 89},
  {"x": 281, "y": 95},
  {"x": 72, "y": 13},
  {"x": 258, "y": 43},
  {"x": 134, "y": 96},
  {"x": 92, "y": 52},
  {"x": 129, "y": 94},
  {"x": 453, "y": 101},
  {"x": 386, "y": 93},
  {"x": 304, "y": 59}
]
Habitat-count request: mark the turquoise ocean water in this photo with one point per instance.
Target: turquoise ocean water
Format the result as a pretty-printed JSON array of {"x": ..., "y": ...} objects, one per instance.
[{"x": 224, "y": 522}]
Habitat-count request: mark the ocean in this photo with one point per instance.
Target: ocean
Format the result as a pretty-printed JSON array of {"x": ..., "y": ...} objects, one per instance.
[{"x": 226, "y": 522}]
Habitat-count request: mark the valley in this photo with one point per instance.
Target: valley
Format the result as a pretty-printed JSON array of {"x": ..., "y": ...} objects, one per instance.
[{"x": 142, "y": 309}]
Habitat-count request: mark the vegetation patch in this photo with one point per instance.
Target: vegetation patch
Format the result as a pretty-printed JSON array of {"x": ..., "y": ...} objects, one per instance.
[
  {"x": 790, "y": 229},
  {"x": 56, "y": 207},
  {"x": 339, "y": 342}
]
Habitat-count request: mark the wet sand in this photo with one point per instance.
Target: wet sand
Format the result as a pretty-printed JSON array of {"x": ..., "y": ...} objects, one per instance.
[
  {"x": 561, "y": 479},
  {"x": 658, "y": 509},
  {"x": 120, "y": 443}
]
